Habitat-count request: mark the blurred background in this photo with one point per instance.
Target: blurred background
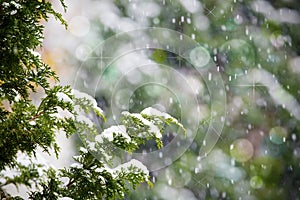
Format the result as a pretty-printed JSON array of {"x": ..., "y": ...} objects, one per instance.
[{"x": 254, "y": 45}]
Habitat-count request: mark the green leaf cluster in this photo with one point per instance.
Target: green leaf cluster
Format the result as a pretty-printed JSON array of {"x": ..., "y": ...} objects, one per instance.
[{"x": 26, "y": 125}]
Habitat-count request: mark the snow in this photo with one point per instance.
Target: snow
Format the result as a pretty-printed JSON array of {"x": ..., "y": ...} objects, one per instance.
[
  {"x": 32, "y": 122},
  {"x": 145, "y": 9},
  {"x": 80, "y": 95},
  {"x": 26, "y": 160},
  {"x": 133, "y": 163},
  {"x": 85, "y": 120},
  {"x": 99, "y": 138},
  {"x": 65, "y": 198},
  {"x": 152, "y": 111},
  {"x": 279, "y": 15},
  {"x": 35, "y": 53},
  {"x": 76, "y": 165},
  {"x": 102, "y": 180},
  {"x": 5, "y": 4},
  {"x": 17, "y": 5},
  {"x": 91, "y": 146},
  {"x": 106, "y": 156},
  {"x": 279, "y": 95},
  {"x": 191, "y": 6},
  {"x": 152, "y": 128},
  {"x": 63, "y": 97},
  {"x": 99, "y": 110},
  {"x": 60, "y": 114},
  {"x": 201, "y": 22},
  {"x": 13, "y": 12},
  {"x": 83, "y": 150},
  {"x": 108, "y": 133},
  {"x": 18, "y": 96}
]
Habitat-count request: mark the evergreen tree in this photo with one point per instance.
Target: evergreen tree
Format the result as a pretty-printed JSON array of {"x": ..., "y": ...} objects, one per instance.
[{"x": 26, "y": 125}]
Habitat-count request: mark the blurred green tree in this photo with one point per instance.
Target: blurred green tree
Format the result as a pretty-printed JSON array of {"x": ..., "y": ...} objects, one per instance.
[{"x": 255, "y": 45}]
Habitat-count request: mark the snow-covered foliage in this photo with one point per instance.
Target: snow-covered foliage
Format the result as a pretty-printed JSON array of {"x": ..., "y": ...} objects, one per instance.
[
  {"x": 93, "y": 177},
  {"x": 26, "y": 125}
]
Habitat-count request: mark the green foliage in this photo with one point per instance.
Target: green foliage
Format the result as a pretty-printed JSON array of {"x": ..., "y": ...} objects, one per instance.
[
  {"x": 22, "y": 71},
  {"x": 27, "y": 175},
  {"x": 91, "y": 177},
  {"x": 238, "y": 38},
  {"x": 21, "y": 33},
  {"x": 26, "y": 125}
]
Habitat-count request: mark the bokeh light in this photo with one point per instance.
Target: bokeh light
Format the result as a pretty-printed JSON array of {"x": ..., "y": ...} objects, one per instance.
[{"x": 241, "y": 150}]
